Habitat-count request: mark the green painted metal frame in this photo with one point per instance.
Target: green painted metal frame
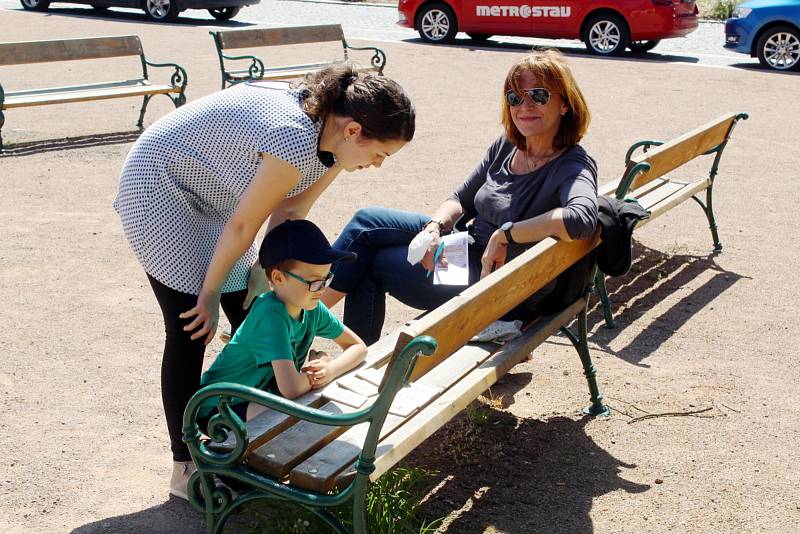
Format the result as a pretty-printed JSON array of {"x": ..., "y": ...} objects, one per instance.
[
  {"x": 257, "y": 69},
  {"x": 624, "y": 188},
  {"x": 217, "y": 503},
  {"x": 179, "y": 78}
]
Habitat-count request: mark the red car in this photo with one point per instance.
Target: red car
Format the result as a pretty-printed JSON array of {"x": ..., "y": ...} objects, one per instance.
[{"x": 607, "y": 27}]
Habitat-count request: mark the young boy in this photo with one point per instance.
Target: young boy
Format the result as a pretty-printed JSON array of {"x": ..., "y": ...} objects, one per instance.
[{"x": 269, "y": 348}]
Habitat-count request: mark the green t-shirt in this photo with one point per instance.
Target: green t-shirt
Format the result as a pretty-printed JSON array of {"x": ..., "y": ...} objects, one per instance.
[{"x": 268, "y": 333}]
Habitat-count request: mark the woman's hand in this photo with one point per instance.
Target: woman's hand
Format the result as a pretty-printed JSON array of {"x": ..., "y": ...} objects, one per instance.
[
  {"x": 430, "y": 254},
  {"x": 256, "y": 284},
  {"x": 495, "y": 254},
  {"x": 206, "y": 316}
]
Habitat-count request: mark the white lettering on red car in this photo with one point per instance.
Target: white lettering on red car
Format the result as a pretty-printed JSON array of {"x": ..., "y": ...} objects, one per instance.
[{"x": 524, "y": 11}]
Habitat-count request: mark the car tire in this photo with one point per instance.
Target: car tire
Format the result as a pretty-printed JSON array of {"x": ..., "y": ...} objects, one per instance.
[
  {"x": 779, "y": 48},
  {"x": 436, "y": 23},
  {"x": 640, "y": 47},
  {"x": 225, "y": 13},
  {"x": 161, "y": 10},
  {"x": 606, "y": 34},
  {"x": 35, "y": 5},
  {"x": 478, "y": 36}
]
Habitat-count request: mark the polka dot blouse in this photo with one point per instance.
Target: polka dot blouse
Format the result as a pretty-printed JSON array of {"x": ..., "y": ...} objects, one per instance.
[{"x": 185, "y": 175}]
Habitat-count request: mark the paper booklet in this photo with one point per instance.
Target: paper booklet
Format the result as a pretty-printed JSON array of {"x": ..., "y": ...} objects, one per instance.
[{"x": 456, "y": 252}]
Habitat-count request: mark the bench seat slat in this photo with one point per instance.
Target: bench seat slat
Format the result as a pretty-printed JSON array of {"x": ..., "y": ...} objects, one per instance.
[
  {"x": 280, "y": 454},
  {"x": 319, "y": 472},
  {"x": 289, "y": 71},
  {"x": 99, "y": 91},
  {"x": 665, "y": 204}
]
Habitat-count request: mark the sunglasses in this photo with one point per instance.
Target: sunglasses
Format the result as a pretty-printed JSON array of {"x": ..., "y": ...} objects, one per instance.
[
  {"x": 538, "y": 95},
  {"x": 313, "y": 285}
]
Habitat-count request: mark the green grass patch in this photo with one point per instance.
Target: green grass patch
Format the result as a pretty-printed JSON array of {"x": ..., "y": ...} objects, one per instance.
[{"x": 717, "y": 9}]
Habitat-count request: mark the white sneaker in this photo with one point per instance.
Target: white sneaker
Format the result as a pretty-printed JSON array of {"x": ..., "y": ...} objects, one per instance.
[{"x": 178, "y": 485}]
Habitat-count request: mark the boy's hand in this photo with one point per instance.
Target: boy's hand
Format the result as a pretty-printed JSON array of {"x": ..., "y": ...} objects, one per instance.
[{"x": 318, "y": 372}]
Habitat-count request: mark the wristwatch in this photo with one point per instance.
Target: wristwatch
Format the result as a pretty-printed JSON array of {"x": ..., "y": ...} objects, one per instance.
[{"x": 506, "y": 228}]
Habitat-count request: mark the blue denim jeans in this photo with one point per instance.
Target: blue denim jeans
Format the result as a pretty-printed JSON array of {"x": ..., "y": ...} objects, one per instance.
[{"x": 380, "y": 237}]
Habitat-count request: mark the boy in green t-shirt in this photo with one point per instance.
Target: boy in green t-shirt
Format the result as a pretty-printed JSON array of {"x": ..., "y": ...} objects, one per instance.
[{"x": 269, "y": 349}]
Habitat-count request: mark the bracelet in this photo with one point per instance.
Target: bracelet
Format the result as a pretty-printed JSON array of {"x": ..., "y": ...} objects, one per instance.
[{"x": 440, "y": 224}]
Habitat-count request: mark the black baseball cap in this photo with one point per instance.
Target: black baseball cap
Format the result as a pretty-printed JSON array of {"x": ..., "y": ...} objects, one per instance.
[{"x": 300, "y": 240}]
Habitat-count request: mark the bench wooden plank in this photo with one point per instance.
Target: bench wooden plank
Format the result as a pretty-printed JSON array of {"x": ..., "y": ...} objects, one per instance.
[
  {"x": 490, "y": 298},
  {"x": 319, "y": 472},
  {"x": 280, "y": 454},
  {"x": 671, "y": 155},
  {"x": 257, "y": 37},
  {"x": 43, "y": 97},
  {"x": 25, "y": 52},
  {"x": 662, "y": 206}
]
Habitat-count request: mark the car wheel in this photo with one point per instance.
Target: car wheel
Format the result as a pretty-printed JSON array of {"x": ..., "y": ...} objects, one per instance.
[
  {"x": 779, "y": 48},
  {"x": 35, "y": 5},
  {"x": 606, "y": 34},
  {"x": 640, "y": 47},
  {"x": 437, "y": 23},
  {"x": 478, "y": 36},
  {"x": 224, "y": 13},
  {"x": 161, "y": 10}
]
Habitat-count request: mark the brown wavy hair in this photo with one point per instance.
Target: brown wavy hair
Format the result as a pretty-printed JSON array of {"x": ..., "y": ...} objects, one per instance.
[
  {"x": 552, "y": 71},
  {"x": 377, "y": 103}
]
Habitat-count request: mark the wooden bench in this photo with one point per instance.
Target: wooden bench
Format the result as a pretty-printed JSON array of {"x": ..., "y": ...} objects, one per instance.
[
  {"x": 29, "y": 52},
  {"x": 320, "y": 454},
  {"x": 268, "y": 37},
  {"x": 646, "y": 178}
]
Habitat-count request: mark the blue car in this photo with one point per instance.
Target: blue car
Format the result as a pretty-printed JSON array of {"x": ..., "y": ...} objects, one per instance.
[{"x": 767, "y": 29}]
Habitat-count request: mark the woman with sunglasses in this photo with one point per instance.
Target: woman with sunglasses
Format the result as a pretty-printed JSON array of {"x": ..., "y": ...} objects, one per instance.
[
  {"x": 201, "y": 181},
  {"x": 535, "y": 181}
]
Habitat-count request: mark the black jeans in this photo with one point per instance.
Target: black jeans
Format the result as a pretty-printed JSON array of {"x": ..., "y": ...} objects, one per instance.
[{"x": 183, "y": 358}]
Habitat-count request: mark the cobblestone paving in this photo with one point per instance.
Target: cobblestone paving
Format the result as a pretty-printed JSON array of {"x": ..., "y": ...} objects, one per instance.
[{"x": 378, "y": 23}]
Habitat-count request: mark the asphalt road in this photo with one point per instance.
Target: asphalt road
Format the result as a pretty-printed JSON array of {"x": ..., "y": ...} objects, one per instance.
[{"x": 378, "y": 23}]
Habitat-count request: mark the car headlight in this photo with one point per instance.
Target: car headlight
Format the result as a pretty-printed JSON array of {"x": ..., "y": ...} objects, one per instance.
[{"x": 740, "y": 12}]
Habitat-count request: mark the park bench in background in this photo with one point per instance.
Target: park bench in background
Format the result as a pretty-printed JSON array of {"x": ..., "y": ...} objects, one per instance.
[
  {"x": 646, "y": 178},
  {"x": 320, "y": 453},
  {"x": 30, "y": 52},
  {"x": 258, "y": 69}
]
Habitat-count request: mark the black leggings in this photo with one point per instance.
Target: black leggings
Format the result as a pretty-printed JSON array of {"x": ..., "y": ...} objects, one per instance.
[{"x": 183, "y": 358}]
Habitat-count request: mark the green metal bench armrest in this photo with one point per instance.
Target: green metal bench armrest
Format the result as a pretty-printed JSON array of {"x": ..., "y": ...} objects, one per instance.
[
  {"x": 256, "y": 69},
  {"x": 378, "y": 59},
  {"x": 179, "y": 77},
  {"x": 645, "y": 145}
]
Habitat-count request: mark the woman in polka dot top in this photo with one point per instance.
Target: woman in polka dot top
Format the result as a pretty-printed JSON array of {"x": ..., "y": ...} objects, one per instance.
[{"x": 201, "y": 181}]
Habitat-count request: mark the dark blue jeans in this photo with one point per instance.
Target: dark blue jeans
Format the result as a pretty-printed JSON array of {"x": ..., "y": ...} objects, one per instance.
[{"x": 380, "y": 237}]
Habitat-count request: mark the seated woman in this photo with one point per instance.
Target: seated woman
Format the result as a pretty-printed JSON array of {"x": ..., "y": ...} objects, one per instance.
[{"x": 535, "y": 181}]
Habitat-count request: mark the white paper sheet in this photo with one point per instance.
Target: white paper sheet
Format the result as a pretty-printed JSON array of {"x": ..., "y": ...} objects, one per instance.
[{"x": 456, "y": 252}]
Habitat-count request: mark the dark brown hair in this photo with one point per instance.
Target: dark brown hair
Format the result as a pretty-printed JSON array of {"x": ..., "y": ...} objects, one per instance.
[
  {"x": 285, "y": 265},
  {"x": 377, "y": 103},
  {"x": 552, "y": 71}
]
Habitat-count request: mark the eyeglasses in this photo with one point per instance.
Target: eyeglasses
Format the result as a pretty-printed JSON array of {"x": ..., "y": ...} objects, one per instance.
[
  {"x": 538, "y": 95},
  {"x": 313, "y": 285}
]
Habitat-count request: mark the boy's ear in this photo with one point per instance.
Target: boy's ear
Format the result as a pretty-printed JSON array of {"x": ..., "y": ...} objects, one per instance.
[{"x": 275, "y": 276}]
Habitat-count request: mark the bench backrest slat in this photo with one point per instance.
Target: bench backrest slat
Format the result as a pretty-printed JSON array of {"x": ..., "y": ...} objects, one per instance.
[
  {"x": 671, "y": 155},
  {"x": 25, "y": 52},
  {"x": 279, "y": 36},
  {"x": 454, "y": 323}
]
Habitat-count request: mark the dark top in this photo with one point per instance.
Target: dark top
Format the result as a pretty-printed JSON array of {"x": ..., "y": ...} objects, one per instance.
[{"x": 492, "y": 194}]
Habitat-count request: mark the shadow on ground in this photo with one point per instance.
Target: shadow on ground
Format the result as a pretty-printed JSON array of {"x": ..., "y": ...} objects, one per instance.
[
  {"x": 69, "y": 143},
  {"x": 175, "y": 516},
  {"x": 517, "y": 475},
  {"x": 139, "y": 18},
  {"x": 656, "y": 277}
]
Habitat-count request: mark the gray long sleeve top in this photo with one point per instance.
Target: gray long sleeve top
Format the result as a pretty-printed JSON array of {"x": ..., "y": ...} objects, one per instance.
[{"x": 492, "y": 194}]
